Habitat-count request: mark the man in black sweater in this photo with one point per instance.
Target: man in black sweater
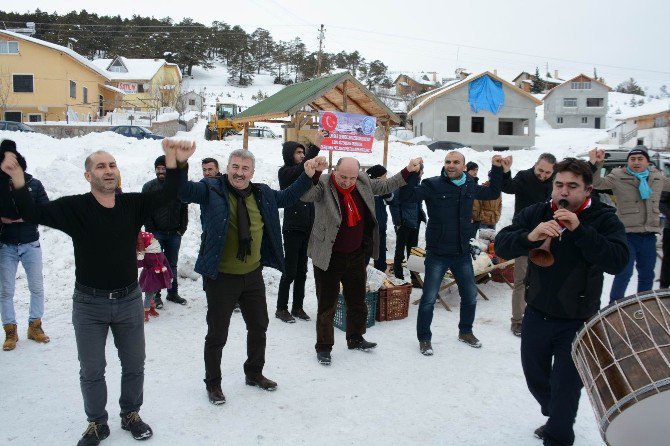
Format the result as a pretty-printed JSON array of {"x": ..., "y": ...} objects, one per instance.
[
  {"x": 528, "y": 186},
  {"x": 588, "y": 239},
  {"x": 168, "y": 224},
  {"x": 104, "y": 228},
  {"x": 296, "y": 227}
]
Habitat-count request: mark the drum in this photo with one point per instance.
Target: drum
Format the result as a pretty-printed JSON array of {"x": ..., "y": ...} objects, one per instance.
[{"x": 623, "y": 357}]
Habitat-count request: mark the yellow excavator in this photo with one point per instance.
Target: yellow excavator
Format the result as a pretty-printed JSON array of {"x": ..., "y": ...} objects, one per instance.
[{"x": 220, "y": 123}]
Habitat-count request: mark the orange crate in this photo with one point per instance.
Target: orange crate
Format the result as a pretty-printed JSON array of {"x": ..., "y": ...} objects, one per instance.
[{"x": 393, "y": 303}]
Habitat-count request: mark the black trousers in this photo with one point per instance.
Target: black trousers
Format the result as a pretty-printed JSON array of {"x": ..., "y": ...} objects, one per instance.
[
  {"x": 556, "y": 386},
  {"x": 665, "y": 265},
  {"x": 222, "y": 295},
  {"x": 406, "y": 239},
  {"x": 295, "y": 252},
  {"x": 350, "y": 270}
]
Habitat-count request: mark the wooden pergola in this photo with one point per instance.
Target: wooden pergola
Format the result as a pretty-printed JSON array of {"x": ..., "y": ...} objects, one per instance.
[{"x": 340, "y": 92}]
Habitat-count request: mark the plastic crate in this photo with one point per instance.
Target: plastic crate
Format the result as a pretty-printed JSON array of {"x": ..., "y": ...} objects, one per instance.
[
  {"x": 503, "y": 275},
  {"x": 393, "y": 303},
  {"x": 340, "y": 319}
]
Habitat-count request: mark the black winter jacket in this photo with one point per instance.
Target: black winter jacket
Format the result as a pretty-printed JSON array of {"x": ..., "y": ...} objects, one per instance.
[
  {"x": 19, "y": 233},
  {"x": 572, "y": 286},
  {"x": 300, "y": 216},
  {"x": 170, "y": 218},
  {"x": 405, "y": 211},
  {"x": 527, "y": 188}
]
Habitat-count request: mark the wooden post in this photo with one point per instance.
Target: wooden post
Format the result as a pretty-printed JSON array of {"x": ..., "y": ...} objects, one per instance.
[
  {"x": 245, "y": 138},
  {"x": 344, "y": 108},
  {"x": 386, "y": 143}
]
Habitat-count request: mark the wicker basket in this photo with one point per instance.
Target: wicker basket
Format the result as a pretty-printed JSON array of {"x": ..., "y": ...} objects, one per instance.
[
  {"x": 340, "y": 319},
  {"x": 393, "y": 303}
]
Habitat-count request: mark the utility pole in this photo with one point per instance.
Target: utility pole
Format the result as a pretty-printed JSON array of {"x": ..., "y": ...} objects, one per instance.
[{"x": 318, "y": 59}]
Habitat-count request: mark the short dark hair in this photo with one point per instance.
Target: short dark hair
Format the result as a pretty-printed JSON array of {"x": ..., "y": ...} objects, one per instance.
[
  {"x": 210, "y": 160},
  {"x": 160, "y": 161},
  {"x": 548, "y": 157},
  {"x": 471, "y": 166},
  {"x": 576, "y": 166}
]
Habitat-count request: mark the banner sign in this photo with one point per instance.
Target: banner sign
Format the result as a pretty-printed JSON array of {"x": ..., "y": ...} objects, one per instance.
[
  {"x": 128, "y": 87},
  {"x": 347, "y": 132}
]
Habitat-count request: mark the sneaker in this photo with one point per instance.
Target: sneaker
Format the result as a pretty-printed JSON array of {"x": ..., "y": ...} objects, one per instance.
[
  {"x": 426, "y": 348},
  {"x": 516, "y": 328},
  {"x": 470, "y": 339},
  {"x": 323, "y": 358},
  {"x": 539, "y": 432},
  {"x": 300, "y": 314},
  {"x": 260, "y": 381},
  {"x": 158, "y": 301},
  {"x": 284, "y": 316},
  {"x": 360, "y": 344},
  {"x": 215, "y": 395},
  {"x": 94, "y": 434},
  {"x": 176, "y": 298},
  {"x": 138, "y": 428}
]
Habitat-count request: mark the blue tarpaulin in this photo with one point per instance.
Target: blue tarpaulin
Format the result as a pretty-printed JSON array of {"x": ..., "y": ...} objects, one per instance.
[{"x": 486, "y": 94}]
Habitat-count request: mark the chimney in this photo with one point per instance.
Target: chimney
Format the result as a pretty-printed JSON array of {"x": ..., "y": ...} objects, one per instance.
[
  {"x": 495, "y": 71},
  {"x": 555, "y": 74}
]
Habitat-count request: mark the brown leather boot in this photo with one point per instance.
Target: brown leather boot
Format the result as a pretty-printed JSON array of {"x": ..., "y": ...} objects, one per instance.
[
  {"x": 11, "y": 337},
  {"x": 36, "y": 333}
]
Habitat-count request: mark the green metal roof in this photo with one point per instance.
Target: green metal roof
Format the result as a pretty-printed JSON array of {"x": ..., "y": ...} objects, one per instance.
[{"x": 294, "y": 97}]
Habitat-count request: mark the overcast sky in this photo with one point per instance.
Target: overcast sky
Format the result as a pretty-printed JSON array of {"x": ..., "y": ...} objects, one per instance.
[{"x": 620, "y": 38}]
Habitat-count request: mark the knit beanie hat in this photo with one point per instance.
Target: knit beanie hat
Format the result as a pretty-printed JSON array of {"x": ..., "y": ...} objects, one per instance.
[
  {"x": 160, "y": 161},
  {"x": 376, "y": 171},
  {"x": 638, "y": 150}
]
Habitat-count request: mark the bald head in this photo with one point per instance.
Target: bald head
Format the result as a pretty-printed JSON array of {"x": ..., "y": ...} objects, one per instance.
[
  {"x": 346, "y": 172},
  {"x": 454, "y": 164}
]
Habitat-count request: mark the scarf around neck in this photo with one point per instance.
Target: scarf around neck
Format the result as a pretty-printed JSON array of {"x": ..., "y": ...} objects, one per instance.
[
  {"x": 458, "y": 182},
  {"x": 243, "y": 222},
  {"x": 645, "y": 190},
  {"x": 350, "y": 208}
]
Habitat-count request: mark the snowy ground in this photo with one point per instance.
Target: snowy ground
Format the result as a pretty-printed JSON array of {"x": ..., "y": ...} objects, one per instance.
[{"x": 391, "y": 396}]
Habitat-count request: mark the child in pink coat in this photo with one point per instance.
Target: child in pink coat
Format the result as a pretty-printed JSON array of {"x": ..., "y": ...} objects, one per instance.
[{"x": 156, "y": 274}]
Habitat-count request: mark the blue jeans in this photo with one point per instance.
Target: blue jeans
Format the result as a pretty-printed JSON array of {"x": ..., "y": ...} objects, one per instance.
[
  {"x": 436, "y": 267},
  {"x": 30, "y": 256},
  {"x": 642, "y": 247},
  {"x": 170, "y": 243}
]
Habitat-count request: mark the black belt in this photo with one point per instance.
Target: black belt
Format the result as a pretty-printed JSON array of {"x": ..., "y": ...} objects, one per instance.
[{"x": 108, "y": 294}]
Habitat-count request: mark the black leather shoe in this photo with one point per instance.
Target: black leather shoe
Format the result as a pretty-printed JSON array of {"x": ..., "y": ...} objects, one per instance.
[
  {"x": 300, "y": 314},
  {"x": 216, "y": 395},
  {"x": 261, "y": 381},
  {"x": 323, "y": 358},
  {"x": 94, "y": 434},
  {"x": 176, "y": 298},
  {"x": 138, "y": 428},
  {"x": 360, "y": 344}
]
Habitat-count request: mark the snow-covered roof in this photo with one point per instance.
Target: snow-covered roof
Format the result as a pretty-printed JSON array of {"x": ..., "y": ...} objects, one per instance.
[
  {"x": 551, "y": 80},
  {"x": 138, "y": 69},
  {"x": 576, "y": 77},
  {"x": 76, "y": 56},
  {"x": 417, "y": 77},
  {"x": 650, "y": 108},
  {"x": 112, "y": 88}
]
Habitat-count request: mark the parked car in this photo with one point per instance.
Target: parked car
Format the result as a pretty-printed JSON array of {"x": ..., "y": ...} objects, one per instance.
[
  {"x": 445, "y": 145},
  {"x": 15, "y": 127},
  {"x": 260, "y": 132},
  {"x": 135, "y": 131}
]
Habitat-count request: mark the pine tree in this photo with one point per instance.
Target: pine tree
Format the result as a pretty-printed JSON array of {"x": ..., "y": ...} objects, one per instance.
[
  {"x": 630, "y": 87},
  {"x": 537, "y": 85},
  {"x": 262, "y": 47},
  {"x": 241, "y": 68}
]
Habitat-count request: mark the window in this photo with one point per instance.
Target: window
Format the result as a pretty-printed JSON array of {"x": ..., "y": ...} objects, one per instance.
[
  {"x": 34, "y": 118},
  {"x": 477, "y": 124},
  {"x": 140, "y": 88},
  {"x": 453, "y": 123},
  {"x": 421, "y": 128},
  {"x": 13, "y": 116},
  {"x": 9, "y": 47},
  {"x": 585, "y": 120},
  {"x": 505, "y": 128},
  {"x": 23, "y": 83},
  {"x": 569, "y": 102},
  {"x": 594, "y": 102},
  {"x": 559, "y": 120},
  {"x": 660, "y": 122},
  {"x": 581, "y": 85},
  {"x": 73, "y": 89},
  {"x": 85, "y": 94},
  {"x": 191, "y": 102}
]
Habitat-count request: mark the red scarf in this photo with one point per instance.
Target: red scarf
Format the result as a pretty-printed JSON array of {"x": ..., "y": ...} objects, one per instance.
[
  {"x": 353, "y": 216},
  {"x": 584, "y": 205}
]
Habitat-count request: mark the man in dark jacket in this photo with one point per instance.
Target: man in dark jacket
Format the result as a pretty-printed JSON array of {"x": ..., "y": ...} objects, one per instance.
[
  {"x": 528, "y": 186},
  {"x": 588, "y": 239},
  {"x": 379, "y": 172},
  {"x": 19, "y": 242},
  {"x": 168, "y": 224},
  {"x": 449, "y": 199},
  {"x": 298, "y": 220},
  {"x": 241, "y": 235},
  {"x": 664, "y": 206},
  {"x": 407, "y": 215}
]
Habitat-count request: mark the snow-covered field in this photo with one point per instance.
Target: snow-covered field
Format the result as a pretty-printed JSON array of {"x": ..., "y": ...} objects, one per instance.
[{"x": 392, "y": 396}]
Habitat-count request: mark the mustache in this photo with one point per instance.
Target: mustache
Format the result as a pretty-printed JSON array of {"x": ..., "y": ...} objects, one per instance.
[{"x": 238, "y": 177}]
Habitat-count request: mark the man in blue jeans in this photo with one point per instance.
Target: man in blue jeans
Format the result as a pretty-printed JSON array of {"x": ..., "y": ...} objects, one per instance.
[
  {"x": 168, "y": 224},
  {"x": 637, "y": 188},
  {"x": 449, "y": 199},
  {"x": 19, "y": 242}
]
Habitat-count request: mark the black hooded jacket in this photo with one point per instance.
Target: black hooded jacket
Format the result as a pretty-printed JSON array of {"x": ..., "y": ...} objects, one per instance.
[
  {"x": 527, "y": 188},
  {"x": 572, "y": 286},
  {"x": 300, "y": 216},
  {"x": 19, "y": 233},
  {"x": 170, "y": 218}
]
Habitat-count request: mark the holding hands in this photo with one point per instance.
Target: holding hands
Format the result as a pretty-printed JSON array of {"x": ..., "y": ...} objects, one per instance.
[
  {"x": 506, "y": 163},
  {"x": 316, "y": 164},
  {"x": 415, "y": 164},
  {"x": 596, "y": 155},
  {"x": 177, "y": 151}
]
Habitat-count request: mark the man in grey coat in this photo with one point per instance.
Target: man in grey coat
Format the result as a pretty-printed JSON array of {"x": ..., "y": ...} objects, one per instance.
[{"x": 344, "y": 234}]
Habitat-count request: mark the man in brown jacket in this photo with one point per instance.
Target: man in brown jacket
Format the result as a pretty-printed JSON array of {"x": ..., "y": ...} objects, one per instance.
[
  {"x": 344, "y": 234},
  {"x": 637, "y": 189}
]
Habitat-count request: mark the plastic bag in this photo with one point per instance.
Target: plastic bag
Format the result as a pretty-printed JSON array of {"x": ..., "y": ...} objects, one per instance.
[{"x": 375, "y": 278}]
